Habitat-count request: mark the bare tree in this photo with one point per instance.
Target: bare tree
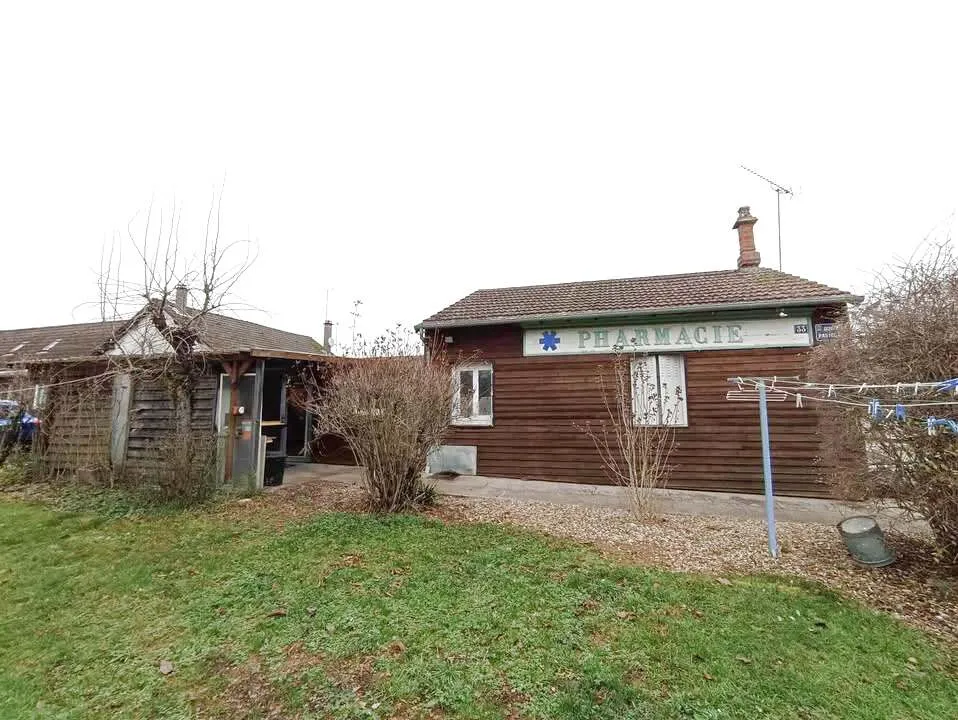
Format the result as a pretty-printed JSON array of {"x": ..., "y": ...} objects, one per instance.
[
  {"x": 905, "y": 331},
  {"x": 160, "y": 304},
  {"x": 391, "y": 404},
  {"x": 635, "y": 438}
]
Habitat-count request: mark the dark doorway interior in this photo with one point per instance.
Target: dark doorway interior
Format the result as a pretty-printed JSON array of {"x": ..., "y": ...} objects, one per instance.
[
  {"x": 274, "y": 425},
  {"x": 297, "y": 442}
]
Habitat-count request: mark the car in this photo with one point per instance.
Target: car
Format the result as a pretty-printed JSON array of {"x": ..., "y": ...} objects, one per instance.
[{"x": 11, "y": 413}]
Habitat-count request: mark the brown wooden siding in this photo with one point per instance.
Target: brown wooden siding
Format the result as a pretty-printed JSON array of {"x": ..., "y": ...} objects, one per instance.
[
  {"x": 151, "y": 419},
  {"x": 77, "y": 418},
  {"x": 539, "y": 400}
]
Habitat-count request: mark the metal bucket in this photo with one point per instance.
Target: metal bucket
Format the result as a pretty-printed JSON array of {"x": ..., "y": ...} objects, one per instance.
[{"x": 865, "y": 541}]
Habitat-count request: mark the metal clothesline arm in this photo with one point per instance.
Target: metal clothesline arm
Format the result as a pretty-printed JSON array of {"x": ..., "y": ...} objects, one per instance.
[{"x": 767, "y": 473}]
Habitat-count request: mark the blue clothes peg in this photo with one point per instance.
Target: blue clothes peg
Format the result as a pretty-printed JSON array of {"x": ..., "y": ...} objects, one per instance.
[
  {"x": 899, "y": 412},
  {"x": 948, "y": 385},
  {"x": 874, "y": 409},
  {"x": 942, "y": 422}
]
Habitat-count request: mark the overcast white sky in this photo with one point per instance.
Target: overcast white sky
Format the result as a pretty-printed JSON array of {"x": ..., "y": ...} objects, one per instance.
[{"x": 407, "y": 153}]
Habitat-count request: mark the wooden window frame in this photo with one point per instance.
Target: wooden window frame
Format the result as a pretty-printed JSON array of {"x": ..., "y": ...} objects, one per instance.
[{"x": 473, "y": 420}]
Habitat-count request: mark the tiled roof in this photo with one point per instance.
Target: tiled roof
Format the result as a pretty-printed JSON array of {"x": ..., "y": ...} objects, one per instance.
[
  {"x": 759, "y": 287},
  {"x": 56, "y": 342},
  {"x": 219, "y": 333},
  {"x": 228, "y": 334}
]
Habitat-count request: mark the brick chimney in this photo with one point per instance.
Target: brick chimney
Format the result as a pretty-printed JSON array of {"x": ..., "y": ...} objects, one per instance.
[
  {"x": 181, "y": 294},
  {"x": 327, "y": 334},
  {"x": 747, "y": 254}
]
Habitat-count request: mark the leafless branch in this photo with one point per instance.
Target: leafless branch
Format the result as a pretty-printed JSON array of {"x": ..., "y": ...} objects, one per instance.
[
  {"x": 392, "y": 406},
  {"x": 634, "y": 441},
  {"x": 905, "y": 331}
]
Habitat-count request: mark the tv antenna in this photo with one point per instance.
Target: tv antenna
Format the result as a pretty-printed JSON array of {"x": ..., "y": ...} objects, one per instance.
[
  {"x": 355, "y": 314},
  {"x": 779, "y": 191}
]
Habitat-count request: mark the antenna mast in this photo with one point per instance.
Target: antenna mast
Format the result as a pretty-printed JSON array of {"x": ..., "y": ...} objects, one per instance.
[
  {"x": 355, "y": 314},
  {"x": 779, "y": 191}
]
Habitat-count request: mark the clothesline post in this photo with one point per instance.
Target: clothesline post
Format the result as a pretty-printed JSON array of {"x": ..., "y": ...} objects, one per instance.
[{"x": 767, "y": 471}]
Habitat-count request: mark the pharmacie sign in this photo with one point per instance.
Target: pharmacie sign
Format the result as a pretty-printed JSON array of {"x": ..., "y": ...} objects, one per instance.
[{"x": 674, "y": 337}]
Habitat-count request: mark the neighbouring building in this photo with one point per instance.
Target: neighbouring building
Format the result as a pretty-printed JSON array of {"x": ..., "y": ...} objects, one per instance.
[
  {"x": 104, "y": 411},
  {"x": 533, "y": 354}
]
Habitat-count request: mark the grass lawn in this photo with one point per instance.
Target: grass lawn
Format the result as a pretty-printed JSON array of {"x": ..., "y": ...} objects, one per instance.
[{"x": 349, "y": 616}]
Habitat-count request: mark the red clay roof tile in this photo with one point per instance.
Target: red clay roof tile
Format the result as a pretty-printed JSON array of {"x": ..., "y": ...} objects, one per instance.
[{"x": 641, "y": 295}]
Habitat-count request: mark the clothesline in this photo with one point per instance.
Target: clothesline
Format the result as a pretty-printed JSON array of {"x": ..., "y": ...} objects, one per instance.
[
  {"x": 795, "y": 383},
  {"x": 775, "y": 389},
  {"x": 877, "y": 408},
  {"x": 801, "y": 398}
]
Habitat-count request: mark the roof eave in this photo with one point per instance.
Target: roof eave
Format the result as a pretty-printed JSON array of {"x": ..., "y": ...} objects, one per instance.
[
  {"x": 287, "y": 354},
  {"x": 206, "y": 352},
  {"x": 841, "y": 299},
  {"x": 54, "y": 360}
]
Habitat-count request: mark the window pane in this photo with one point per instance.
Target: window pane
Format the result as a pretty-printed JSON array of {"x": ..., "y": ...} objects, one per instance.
[
  {"x": 485, "y": 392},
  {"x": 465, "y": 393},
  {"x": 485, "y": 384}
]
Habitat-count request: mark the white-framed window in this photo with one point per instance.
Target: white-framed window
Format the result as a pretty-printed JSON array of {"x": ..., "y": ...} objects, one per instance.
[
  {"x": 472, "y": 394},
  {"x": 658, "y": 390}
]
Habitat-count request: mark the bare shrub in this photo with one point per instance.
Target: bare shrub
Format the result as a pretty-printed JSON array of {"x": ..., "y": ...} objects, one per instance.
[
  {"x": 391, "y": 405},
  {"x": 634, "y": 440},
  {"x": 907, "y": 330},
  {"x": 184, "y": 467}
]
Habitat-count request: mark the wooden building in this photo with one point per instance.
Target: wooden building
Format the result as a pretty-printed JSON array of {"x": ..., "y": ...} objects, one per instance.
[
  {"x": 105, "y": 411},
  {"x": 532, "y": 354}
]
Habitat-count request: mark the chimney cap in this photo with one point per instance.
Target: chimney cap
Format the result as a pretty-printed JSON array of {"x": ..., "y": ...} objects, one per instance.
[{"x": 745, "y": 217}]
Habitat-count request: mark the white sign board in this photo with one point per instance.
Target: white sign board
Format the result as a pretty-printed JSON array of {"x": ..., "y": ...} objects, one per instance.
[{"x": 672, "y": 337}]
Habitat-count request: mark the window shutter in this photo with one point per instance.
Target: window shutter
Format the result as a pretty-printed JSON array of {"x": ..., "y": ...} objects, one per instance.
[
  {"x": 672, "y": 382},
  {"x": 455, "y": 393},
  {"x": 645, "y": 381}
]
